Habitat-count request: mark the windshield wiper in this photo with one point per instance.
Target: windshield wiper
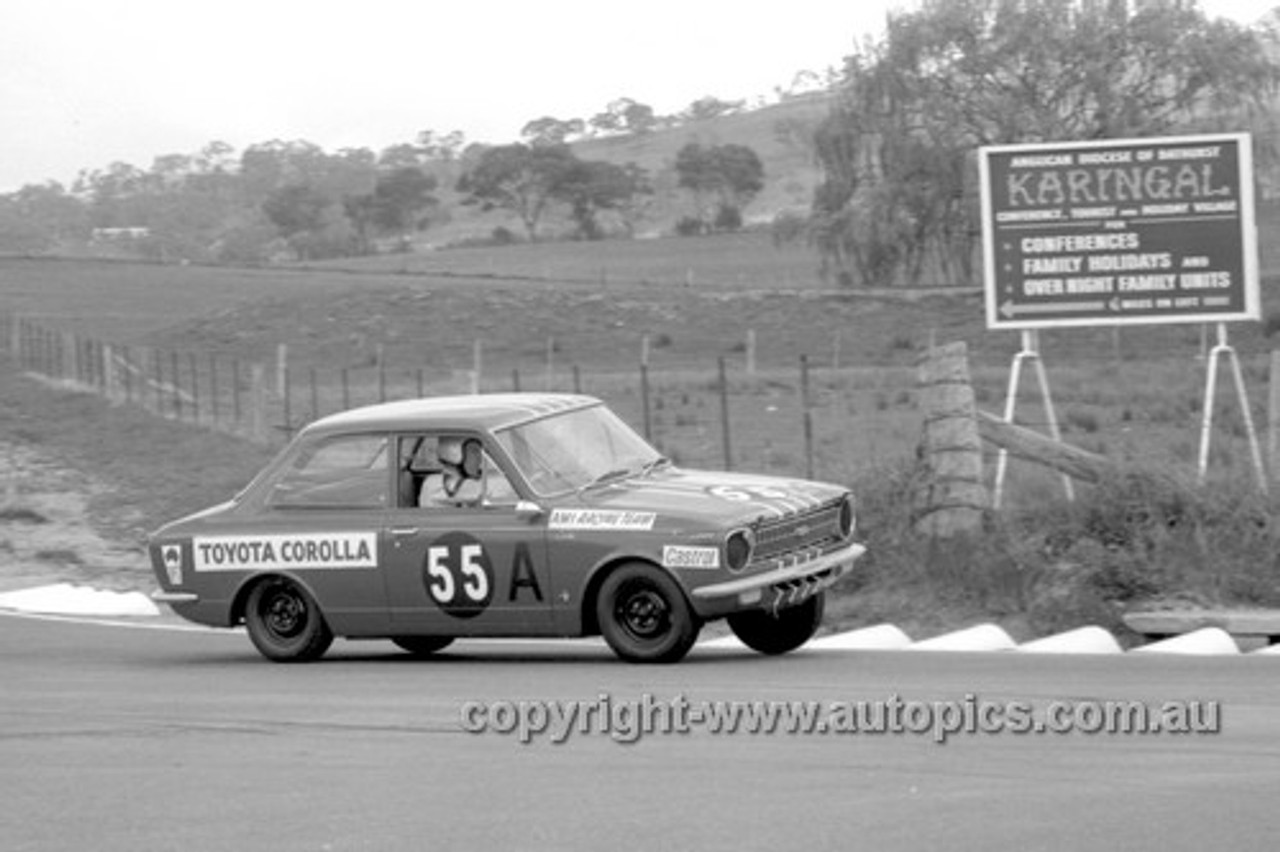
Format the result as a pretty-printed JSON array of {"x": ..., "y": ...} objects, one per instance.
[
  {"x": 650, "y": 467},
  {"x": 607, "y": 476}
]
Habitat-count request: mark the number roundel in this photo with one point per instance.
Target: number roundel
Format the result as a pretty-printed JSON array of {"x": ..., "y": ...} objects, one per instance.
[{"x": 458, "y": 575}]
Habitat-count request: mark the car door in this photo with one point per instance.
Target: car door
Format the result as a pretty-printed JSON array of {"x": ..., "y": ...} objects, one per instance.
[{"x": 472, "y": 567}]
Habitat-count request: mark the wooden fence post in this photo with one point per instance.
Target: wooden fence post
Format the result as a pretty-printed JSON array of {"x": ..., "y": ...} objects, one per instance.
[
  {"x": 126, "y": 359},
  {"x": 724, "y": 416},
  {"x": 258, "y": 403},
  {"x": 806, "y": 406},
  {"x": 235, "y": 390},
  {"x": 646, "y": 418},
  {"x": 951, "y": 497},
  {"x": 195, "y": 387},
  {"x": 213, "y": 389},
  {"x": 285, "y": 401},
  {"x": 157, "y": 382},
  {"x": 315, "y": 395},
  {"x": 177, "y": 384},
  {"x": 282, "y": 365},
  {"x": 551, "y": 362},
  {"x": 1273, "y": 416},
  {"x": 110, "y": 384}
]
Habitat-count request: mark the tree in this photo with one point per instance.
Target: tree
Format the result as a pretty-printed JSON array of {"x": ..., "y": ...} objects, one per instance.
[
  {"x": 594, "y": 186},
  {"x": 897, "y": 151},
  {"x": 723, "y": 179},
  {"x": 404, "y": 155},
  {"x": 297, "y": 210},
  {"x": 394, "y": 206},
  {"x": 711, "y": 107},
  {"x": 551, "y": 131},
  {"x": 520, "y": 178},
  {"x": 625, "y": 115},
  {"x": 41, "y": 217},
  {"x": 445, "y": 147},
  {"x": 116, "y": 195}
]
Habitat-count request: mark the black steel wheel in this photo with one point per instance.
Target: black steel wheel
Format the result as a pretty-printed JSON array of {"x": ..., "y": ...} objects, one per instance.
[
  {"x": 285, "y": 623},
  {"x": 422, "y": 646},
  {"x": 644, "y": 615},
  {"x": 761, "y": 630}
]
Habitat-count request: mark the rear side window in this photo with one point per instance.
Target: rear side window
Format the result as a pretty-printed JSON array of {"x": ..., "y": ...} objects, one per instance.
[{"x": 349, "y": 471}]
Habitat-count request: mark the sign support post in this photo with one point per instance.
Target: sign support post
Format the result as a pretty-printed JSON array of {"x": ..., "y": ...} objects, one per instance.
[
  {"x": 1206, "y": 420},
  {"x": 1030, "y": 352}
]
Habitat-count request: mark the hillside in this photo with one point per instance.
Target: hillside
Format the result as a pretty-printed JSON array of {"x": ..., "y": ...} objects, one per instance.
[{"x": 777, "y": 133}]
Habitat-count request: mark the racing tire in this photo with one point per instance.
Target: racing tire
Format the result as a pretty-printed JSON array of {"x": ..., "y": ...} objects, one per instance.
[
  {"x": 422, "y": 646},
  {"x": 285, "y": 623},
  {"x": 761, "y": 630},
  {"x": 644, "y": 616}
]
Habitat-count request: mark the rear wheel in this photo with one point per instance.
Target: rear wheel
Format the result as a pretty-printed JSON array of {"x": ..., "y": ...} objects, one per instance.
[
  {"x": 644, "y": 616},
  {"x": 761, "y": 630},
  {"x": 422, "y": 646},
  {"x": 285, "y": 623}
]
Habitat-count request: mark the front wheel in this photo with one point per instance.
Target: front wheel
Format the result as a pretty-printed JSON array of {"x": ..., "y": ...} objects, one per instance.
[
  {"x": 644, "y": 615},
  {"x": 761, "y": 630},
  {"x": 285, "y": 623},
  {"x": 422, "y": 646}
]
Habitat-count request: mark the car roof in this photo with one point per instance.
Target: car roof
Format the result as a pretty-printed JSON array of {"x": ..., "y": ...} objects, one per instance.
[{"x": 488, "y": 411}]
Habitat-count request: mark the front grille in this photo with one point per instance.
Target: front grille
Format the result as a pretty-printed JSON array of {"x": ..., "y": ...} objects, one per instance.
[{"x": 798, "y": 532}]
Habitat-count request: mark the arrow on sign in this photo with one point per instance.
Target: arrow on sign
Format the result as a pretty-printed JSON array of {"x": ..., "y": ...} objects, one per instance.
[{"x": 1009, "y": 309}]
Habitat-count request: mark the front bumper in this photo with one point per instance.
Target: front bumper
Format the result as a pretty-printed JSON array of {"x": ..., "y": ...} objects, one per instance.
[{"x": 788, "y": 585}]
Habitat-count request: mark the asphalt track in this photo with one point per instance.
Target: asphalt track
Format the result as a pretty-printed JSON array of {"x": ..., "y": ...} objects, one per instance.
[{"x": 139, "y": 739}]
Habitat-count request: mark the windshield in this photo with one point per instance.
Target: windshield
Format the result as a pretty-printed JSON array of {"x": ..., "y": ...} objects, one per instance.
[{"x": 576, "y": 449}]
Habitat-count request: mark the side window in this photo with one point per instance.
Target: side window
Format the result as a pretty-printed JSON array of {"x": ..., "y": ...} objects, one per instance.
[
  {"x": 450, "y": 470},
  {"x": 346, "y": 471}
]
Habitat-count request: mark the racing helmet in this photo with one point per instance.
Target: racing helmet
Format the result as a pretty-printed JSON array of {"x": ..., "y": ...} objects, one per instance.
[
  {"x": 463, "y": 454},
  {"x": 449, "y": 451}
]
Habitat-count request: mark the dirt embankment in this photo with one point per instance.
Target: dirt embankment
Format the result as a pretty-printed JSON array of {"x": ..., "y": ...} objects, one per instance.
[
  {"x": 82, "y": 481},
  {"x": 45, "y": 532}
]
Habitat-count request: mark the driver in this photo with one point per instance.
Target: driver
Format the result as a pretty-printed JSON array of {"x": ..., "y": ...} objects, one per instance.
[{"x": 459, "y": 480}]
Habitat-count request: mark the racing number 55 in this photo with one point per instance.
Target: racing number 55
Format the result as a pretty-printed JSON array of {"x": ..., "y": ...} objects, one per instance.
[
  {"x": 474, "y": 583},
  {"x": 458, "y": 576}
]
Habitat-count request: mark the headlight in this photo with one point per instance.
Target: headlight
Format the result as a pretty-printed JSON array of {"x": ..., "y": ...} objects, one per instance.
[
  {"x": 737, "y": 549},
  {"x": 847, "y": 518}
]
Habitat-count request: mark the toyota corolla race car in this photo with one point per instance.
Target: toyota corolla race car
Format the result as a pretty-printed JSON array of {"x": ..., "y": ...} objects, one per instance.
[{"x": 504, "y": 515}]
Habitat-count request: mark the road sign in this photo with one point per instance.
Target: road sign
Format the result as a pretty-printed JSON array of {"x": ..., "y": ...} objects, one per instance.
[{"x": 1120, "y": 232}]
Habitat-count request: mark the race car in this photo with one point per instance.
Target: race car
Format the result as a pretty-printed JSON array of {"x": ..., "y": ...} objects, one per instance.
[{"x": 504, "y": 515}]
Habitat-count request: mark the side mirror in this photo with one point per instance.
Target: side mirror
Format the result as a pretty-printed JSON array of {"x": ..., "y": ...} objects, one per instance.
[{"x": 527, "y": 510}]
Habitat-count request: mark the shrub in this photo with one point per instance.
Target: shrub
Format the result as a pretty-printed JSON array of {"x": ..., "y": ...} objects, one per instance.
[
  {"x": 788, "y": 228},
  {"x": 690, "y": 226},
  {"x": 1138, "y": 537}
]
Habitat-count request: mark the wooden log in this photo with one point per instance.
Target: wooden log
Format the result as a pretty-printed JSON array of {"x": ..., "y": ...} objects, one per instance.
[{"x": 1042, "y": 449}]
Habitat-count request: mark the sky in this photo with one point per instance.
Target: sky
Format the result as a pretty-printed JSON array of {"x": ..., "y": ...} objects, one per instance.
[{"x": 85, "y": 83}]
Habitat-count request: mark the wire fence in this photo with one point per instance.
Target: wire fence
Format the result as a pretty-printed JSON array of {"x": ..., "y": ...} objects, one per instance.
[
  {"x": 821, "y": 419},
  {"x": 792, "y": 419}
]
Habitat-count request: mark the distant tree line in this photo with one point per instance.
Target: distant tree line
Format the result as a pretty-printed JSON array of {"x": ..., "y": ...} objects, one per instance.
[{"x": 293, "y": 200}]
